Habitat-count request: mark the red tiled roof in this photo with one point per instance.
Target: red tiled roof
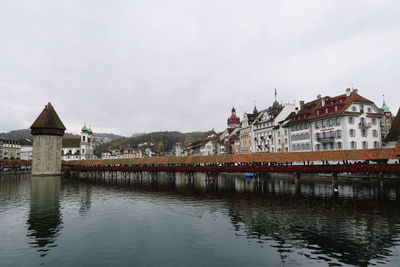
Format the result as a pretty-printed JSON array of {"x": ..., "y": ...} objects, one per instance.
[{"x": 342, "y": 102}]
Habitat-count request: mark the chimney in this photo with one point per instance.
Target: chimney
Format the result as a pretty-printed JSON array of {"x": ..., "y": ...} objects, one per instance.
[
  {"x": 318, "y": 96},
  {"x": 355, "y": 90},
  {"x": 348, "y": 92},
  {"x": 301, "y": 104}
]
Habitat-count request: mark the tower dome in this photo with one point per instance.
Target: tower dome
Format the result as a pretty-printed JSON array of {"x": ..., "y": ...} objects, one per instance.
[
  {"x": 385, "y": 107},
  {"x": 85, "y": 129}
]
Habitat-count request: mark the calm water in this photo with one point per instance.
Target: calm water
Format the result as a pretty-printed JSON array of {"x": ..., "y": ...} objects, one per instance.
[{"x": 176, "y": 221}]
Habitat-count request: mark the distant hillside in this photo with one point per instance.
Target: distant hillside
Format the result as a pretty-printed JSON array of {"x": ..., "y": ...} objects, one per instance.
[
  {"x": 26, "y": 133},
  {"x": 163, "y": 141}
]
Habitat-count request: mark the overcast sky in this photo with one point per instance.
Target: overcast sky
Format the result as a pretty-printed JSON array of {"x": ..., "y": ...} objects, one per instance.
[{"x": 140, "y": 66}]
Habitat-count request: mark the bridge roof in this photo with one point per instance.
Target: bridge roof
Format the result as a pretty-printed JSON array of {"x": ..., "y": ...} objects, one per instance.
[{"x": 338, "y": 155}]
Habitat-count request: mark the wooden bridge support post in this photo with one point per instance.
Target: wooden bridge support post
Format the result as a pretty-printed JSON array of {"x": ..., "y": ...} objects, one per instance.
[
  {"x": 335, "y": 190},
  {"x": 297, "y": 180}
]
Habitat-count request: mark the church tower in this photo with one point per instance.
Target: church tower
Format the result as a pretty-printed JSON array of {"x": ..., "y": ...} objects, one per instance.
[
  {"x": 47, "y": 131},
  {"x": 86, "y": 143},
  {"x": 233, "y": 120}
]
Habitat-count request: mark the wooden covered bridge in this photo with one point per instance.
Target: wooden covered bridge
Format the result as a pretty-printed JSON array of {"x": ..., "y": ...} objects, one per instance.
[
  {"x": 368, "y": 161},
  {"x": 377, "y": 161}
]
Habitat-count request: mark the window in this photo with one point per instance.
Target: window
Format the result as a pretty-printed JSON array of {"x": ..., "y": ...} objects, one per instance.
[
  {"x": 353, "y": 144},
  {"x": 339, "y": 145},
  {"x": 337, "y": 121},
  {"x": 323, "y": 124},
  {"x": 317, "y": 112},
  {"x": 364, "y": 133},
  {"x": 376, "y": 144},
  {"x": 351, "y": 120},
  {"x": 365, "y": 145},
  {"x": 361, "y": 108},
  {"x": 83, "y": 138},
  {"x": 369, "y": 110},
  {"x": 352, "y": 133},
  {"x": 317, "y": 147},
  {"x": 294, "y": 147},
  {"x": 374, "y": 133},
  {"x": 339, "y": 133},
  {"x": 326, "y": 110},
  {"x": 83, "y": 151},
  {"x": 336, "y": 108},
  {"x": 353, "y": 108},
  {"x": 374, "y": 121}
]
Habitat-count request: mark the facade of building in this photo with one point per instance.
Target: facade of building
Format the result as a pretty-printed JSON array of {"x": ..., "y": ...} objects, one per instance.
[
  {"x": 282, "y": 135},
  {"x": 78, "y": 148},
  {"x": 246, "y": 131},
  {"x": 265, "y": 127},
  {"x": 130, "y": 153},
  {"x": 347, "y": 121},
  {"x": 10, "y": 149},
  {"x": 386, "y": 121},
  {"x": 393, "y": 136},
  {"x": 26, "y": 149}
]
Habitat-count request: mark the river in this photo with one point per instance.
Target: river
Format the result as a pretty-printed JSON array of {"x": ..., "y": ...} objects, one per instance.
[{"x": 178, "y": 220}]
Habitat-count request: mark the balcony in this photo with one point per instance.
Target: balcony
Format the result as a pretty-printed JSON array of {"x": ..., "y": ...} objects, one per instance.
[
  {"x": 364, "y": 125},
  {"x": 325, "y": 139}
]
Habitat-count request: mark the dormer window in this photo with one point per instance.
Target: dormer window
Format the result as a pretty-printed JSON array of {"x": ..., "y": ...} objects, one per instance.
[
  {"x": 326, "y": 110},
  {"x": 317, "y": 112},
  {"x": 353, "y": 108},
  {"x": 336, "y": 108}
]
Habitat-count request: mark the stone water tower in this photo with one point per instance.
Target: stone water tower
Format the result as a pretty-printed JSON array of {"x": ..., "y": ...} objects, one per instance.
[{"x": 47, "y": 131}]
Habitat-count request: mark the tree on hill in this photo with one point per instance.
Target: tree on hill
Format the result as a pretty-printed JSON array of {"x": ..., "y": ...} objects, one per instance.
[{"x": 163, "y": 141}]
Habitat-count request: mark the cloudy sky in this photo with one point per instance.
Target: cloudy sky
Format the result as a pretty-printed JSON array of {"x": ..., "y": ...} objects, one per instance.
[{"x": 140, "y": 66}]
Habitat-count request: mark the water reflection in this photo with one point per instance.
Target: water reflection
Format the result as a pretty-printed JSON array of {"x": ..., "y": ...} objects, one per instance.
[
  {"x": 355, "y": 223},
  {"x": 44, "y": 221}
]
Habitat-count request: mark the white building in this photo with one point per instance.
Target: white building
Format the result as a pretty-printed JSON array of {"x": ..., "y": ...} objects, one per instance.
[
  {"x": 347, "y": 121},
  {"x": 26, "y": 149},
  {"x": 78, "y": 148},
  {"x": 266, "y": 130}
]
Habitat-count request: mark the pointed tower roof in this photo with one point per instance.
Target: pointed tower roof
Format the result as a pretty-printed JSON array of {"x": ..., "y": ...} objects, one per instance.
[
  {"x": 385, "y": 107},
  {"x": 255, "y": 111},
  {"x": 394, "y": 133},
  {"x": 48, "y": 123}
]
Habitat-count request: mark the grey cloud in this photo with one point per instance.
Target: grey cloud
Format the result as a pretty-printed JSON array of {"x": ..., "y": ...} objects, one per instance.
[{"x": 135, "y": 66}]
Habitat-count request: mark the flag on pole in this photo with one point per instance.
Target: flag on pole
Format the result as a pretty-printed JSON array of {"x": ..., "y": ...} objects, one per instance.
[{"x": 275, "y": 91}]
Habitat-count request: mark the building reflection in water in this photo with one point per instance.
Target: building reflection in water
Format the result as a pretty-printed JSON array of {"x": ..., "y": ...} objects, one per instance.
[
  {"x": 44, "y": 221},
  {"x": 353, "y": 223}
]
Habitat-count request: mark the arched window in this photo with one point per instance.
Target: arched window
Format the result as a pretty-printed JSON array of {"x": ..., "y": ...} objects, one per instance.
[{"x": 365, "y": 145}]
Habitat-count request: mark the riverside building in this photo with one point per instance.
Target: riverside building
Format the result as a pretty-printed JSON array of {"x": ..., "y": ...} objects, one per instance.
[
  {"x": 265, "y": 128},
  {"x": 347, "y": 121}
]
